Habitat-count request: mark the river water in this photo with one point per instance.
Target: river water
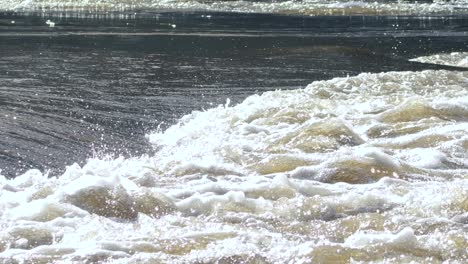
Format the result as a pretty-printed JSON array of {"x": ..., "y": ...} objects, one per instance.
[{"x": 296, "y": 133}]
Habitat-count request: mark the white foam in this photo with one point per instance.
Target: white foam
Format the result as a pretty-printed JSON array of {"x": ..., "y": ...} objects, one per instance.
[
  {"x": 425, "y": 158},
  {"x": 404, "y": 238},
  {"x": 235, "y": 138},
  {"x": 458, "y": 59}
]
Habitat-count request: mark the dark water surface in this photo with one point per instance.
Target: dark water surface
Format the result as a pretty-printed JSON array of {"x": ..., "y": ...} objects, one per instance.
[{"x": 95, "y": 84}]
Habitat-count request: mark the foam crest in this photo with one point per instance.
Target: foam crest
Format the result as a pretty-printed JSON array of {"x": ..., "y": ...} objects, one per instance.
[
  {"x": 459, "y": 59},
  {"x": 404, "y": 238}
]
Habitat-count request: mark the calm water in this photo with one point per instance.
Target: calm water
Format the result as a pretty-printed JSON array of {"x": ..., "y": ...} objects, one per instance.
[{"x": 207, "y": 137}]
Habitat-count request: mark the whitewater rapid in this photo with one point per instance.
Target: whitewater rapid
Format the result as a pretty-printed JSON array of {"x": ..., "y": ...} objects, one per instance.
[
  {"x": 307, "y": 7},
  {"x": 366, "y": 168}
]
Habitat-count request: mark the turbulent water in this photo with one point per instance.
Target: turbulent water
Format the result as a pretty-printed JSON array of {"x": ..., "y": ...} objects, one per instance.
[
  {"x": 365, "y": 168},
  {"x": 370, "y": 167},
  {"x": 304, "y": 7}
]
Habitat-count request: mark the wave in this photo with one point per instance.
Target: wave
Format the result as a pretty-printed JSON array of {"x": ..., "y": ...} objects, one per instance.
[
  {"x": 362, "y": 165},
  {"x": 394, "y": 111},
  {"x": 309, "y": 7},
  {"x": 458, "y": 59}
]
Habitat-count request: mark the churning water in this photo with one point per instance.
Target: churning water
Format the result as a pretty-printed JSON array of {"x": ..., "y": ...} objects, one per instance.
[{"x": 193, "y": 137}]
